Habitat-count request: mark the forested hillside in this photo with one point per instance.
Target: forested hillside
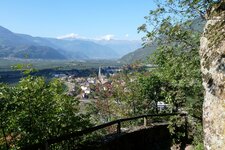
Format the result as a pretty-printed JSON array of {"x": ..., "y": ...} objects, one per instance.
[{"x": 142, "y": 54}]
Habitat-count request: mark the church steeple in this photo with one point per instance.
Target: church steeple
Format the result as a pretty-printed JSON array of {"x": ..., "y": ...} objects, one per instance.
[
  {"x": 100, "y": 77},
  {"x": 99, "y": 73}
]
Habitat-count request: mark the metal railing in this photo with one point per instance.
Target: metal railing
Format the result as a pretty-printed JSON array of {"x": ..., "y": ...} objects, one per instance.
[{"x": 45, "y": 145}]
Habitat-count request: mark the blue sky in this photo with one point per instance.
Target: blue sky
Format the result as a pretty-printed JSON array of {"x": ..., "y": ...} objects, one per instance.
[{"x": 116, "y": 19}]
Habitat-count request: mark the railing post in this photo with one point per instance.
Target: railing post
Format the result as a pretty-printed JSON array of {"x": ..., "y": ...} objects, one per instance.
[
  {"x": 145, "y": 121},
  {"x": 119, "y": 127},
  {"x": 46, "y": 145},
  {"x": 186, "y": 127}
]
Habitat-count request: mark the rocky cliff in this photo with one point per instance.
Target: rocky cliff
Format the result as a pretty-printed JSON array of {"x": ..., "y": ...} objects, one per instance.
[{"x": 212, "y": 52}]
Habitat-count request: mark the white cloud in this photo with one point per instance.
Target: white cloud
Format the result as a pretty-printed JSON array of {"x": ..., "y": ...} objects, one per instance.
[
  {"x": 69, "y": 36},
  {"x": 126, "y": 35},
  {"x": 106, "y": 37}
]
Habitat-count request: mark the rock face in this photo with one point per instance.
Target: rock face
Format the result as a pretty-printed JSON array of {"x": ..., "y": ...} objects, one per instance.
[{"x": 212, "y": 52}]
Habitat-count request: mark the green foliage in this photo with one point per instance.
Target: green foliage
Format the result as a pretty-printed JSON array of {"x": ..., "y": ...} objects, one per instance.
[
  {"x": 35, "y": 110},
  {"x": 127, "y": 95},
  {"x": 175, "y": 11},
  {"x": 177, "y": 128},
  {"x": 199, "y": 146},
  {"x": 25, "y": 68},
  {"x": 120, "y": 99},
  {"x": 151, "y": 90},
  {"x": 173, "y": 26}
]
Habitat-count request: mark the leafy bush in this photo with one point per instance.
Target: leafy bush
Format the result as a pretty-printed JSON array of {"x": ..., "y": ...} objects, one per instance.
[{"x": 35, "y": 110}]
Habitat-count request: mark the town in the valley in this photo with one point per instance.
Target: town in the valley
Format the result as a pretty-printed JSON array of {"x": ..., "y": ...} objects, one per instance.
[
  {"x": 85, "y": 88},
  {"x": 95, "y": 87}
]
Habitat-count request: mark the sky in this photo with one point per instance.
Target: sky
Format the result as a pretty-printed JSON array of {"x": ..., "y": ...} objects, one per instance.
[{"x": 91, "y": 19}]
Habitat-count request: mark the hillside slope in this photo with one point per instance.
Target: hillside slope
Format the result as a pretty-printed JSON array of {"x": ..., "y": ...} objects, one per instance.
[
  {"x": 15, "y": 46},
  {"x": 143, "y": 53},
  {"x": 140, "y": 54}
]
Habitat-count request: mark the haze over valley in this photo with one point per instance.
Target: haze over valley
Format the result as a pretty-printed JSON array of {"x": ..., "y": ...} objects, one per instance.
[{"x": 23, "y": 46}]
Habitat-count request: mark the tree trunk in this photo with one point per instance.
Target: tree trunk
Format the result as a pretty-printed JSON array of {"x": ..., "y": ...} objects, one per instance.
[{"x": 212, "y": 52}]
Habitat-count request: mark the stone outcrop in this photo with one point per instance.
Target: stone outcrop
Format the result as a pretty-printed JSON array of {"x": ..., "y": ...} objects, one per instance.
[{"x": 212, "y": 52}]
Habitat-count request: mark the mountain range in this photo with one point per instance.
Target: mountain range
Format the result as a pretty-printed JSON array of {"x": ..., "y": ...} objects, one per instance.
[{"x": 14, "y": 45}]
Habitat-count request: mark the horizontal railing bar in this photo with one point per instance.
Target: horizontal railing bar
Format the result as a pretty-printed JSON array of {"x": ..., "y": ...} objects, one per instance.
[
  {"x": 80, "y": 133},
  {"x": 152, "y": 115}
]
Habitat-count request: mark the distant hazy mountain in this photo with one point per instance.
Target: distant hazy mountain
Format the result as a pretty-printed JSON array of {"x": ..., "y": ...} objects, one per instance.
[
  {"x": 121, "y": 47},
  {"x": 8, "y": 38},
  {"x": 38, "y": 52},
  {"x": 26, "y": 46},
  {"x": 142, "y": 53},
  {"x": 82, "y": 48},
  {"x": 14, "y": 45}
]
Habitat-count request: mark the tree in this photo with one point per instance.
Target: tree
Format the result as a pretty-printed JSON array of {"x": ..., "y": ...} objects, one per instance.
[
  {"x": 35, "y": 110},
  {"x": 152, "y": 90},
  {"x": 178, "y": 61},
  {"x": 127, "y": 94},
  {"x": 177, "y": 54},
  {"x": 177, "y": 27}
]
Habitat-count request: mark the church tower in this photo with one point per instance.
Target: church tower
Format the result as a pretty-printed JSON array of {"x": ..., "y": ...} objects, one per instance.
[{"x": 100, "y": 74}]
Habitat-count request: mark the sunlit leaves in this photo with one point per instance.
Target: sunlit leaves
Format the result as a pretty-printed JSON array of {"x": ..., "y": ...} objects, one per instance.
[
  {"x": 34, "y": 110},
  {"x": 25, "y": 68},
  {"x": 177, "y": 29}
]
